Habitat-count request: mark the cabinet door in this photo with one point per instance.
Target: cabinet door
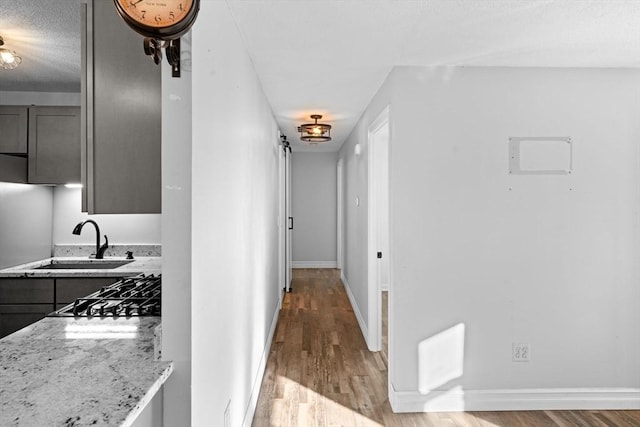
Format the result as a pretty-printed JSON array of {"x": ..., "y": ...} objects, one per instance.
[
  {"x": 54, "y": 145},
  {"x": 23, "y": 301},
  {"x": 67, "y": 290},
  {"x": 16, "y": 316},
  {"x": 122, "y": 120},
  {"x": 26, "y": 291},
  {"x": 13, "y": 168},
  {"x": 13, "y": 130}
]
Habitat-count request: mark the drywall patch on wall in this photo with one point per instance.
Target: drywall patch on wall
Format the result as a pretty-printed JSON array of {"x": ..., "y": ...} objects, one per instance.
[{"x": 540, "y": 155}]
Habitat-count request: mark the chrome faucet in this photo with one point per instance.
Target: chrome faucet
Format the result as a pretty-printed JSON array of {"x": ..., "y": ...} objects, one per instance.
[{"x": 99, "y": 249}]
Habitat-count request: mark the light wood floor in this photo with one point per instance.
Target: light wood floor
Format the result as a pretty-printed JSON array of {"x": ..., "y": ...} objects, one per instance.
[{"x": 320, "y": 373}]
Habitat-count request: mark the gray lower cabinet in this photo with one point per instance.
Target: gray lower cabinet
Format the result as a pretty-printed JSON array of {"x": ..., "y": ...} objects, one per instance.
[
  {"x": 24, "y": 301},
  {"x": 26, "y": 291},
  {"x": 54, "y": 145},
  {"x": 14, "y": 317},
  {"x": 68, "y": 289},
  {"x": 121, "y": 120},
  {"x": 13, "y": 129},
  {"x": 27, "y": 300}
]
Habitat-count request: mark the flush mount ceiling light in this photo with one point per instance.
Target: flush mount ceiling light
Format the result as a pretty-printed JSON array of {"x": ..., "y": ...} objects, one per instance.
[
  {"x": 8, "y": 58},
  {"x": 315, "y": 132}
]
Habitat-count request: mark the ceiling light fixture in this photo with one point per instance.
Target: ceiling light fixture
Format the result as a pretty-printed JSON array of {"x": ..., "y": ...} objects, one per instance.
[
  {"x": 8, "y": 58},
  {"x": 315, "y": 132}
]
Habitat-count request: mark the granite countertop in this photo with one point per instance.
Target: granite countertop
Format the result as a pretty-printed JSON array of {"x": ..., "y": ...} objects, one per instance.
[
  {"x": 79, "y": 372},
  {"x": 147, "y": 265}
]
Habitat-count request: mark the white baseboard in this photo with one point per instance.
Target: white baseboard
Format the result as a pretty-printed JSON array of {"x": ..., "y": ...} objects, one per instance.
[
  {"x": 457, "y": 400},
  {"x": 257, "y": 382},
  {"x": 314, "y": 264},
  {"x": 356, "y": 309}
]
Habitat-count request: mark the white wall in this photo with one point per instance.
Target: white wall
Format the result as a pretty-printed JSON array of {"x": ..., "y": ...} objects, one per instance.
[
  {"x": 355, "y": 204},
  {"x": 313, "y": 204},
  {"x": 482, "y": 259},
  {"x": 120, "y": 229},
  {"x": 25, "y": 223},
  {"x": 176, "y": 237},
  {"x": 234, "y": 224}
]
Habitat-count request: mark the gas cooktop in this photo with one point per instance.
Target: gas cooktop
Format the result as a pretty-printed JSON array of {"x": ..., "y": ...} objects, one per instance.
[{"x": 131, "y": 296}]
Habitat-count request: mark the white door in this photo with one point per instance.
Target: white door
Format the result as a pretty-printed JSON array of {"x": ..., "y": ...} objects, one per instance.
[
  {"x": 282, "y": 226},
  {"x": 285, "y": 222},
  {"x": 339, "y": 249},
  {"x": 288, "y": 215},
  {"x": 378, "y": 232}
]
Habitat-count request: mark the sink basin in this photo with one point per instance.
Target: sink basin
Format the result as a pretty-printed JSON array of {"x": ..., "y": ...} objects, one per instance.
[{"x": 90, "y": 264}]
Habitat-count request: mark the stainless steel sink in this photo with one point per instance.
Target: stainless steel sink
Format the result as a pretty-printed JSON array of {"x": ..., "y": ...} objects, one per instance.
[{"x": 90, "y": 264}]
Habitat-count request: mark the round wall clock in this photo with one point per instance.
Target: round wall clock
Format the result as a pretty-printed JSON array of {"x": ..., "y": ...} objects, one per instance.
[{"x": 159, "y": 19}]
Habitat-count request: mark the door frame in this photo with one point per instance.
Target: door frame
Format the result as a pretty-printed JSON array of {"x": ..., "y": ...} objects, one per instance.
[
  {"x": 340, "y": 213},
  {"x": 284, "y": 220},
  {"x": 374, "y": 291},
  {"x": 289, "y": 221},
  {"x": 282, "y": 223}
]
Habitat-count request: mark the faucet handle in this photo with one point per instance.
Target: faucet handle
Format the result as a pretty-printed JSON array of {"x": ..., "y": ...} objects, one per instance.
[{"x": 103, "y": 248}]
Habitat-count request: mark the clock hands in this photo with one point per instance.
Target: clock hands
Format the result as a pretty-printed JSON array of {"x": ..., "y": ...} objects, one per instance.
[{"x": 133, "y": 4}]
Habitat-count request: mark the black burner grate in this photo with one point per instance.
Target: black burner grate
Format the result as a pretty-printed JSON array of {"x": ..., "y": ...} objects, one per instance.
[{"x": 132, "y": 296}]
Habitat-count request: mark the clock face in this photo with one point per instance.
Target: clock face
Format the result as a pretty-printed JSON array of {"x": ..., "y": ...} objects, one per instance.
[{"x": 158, "y": 18}]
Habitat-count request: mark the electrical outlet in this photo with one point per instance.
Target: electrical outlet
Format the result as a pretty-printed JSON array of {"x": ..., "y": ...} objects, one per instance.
[
  {"x": 227, "y": 415},
  {"x": 521, "y": 352}
]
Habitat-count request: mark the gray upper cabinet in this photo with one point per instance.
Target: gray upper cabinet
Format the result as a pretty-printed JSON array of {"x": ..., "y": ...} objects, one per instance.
[
  {"x": 13, "y": 129},
  {"x": 54, "y": 145},
  {"x": 121, "y": 120}
]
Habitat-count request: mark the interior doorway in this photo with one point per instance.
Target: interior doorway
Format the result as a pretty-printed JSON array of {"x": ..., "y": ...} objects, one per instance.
[
  {"x": 288, "y": 214},
  {"x": 285, "y": 223},
  {"x": 378, "y": 225},
  {"x": 340, "y": 219}
]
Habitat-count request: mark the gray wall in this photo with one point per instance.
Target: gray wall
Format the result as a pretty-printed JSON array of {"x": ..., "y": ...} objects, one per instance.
[
  {"x": 25, "y": 223},
  {"x": 121, "y": 228},
  {"x": 313, "y": 206},
  {"x": 481, "y": 259}
]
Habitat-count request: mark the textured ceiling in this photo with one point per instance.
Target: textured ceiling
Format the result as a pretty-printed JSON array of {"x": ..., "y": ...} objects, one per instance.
[
  {"x": 331, "y": 56},
  {"x": 46, "y": 34}
]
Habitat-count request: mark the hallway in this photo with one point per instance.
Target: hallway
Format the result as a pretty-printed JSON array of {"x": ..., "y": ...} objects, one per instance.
[{"x": 320, "y": 372}]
